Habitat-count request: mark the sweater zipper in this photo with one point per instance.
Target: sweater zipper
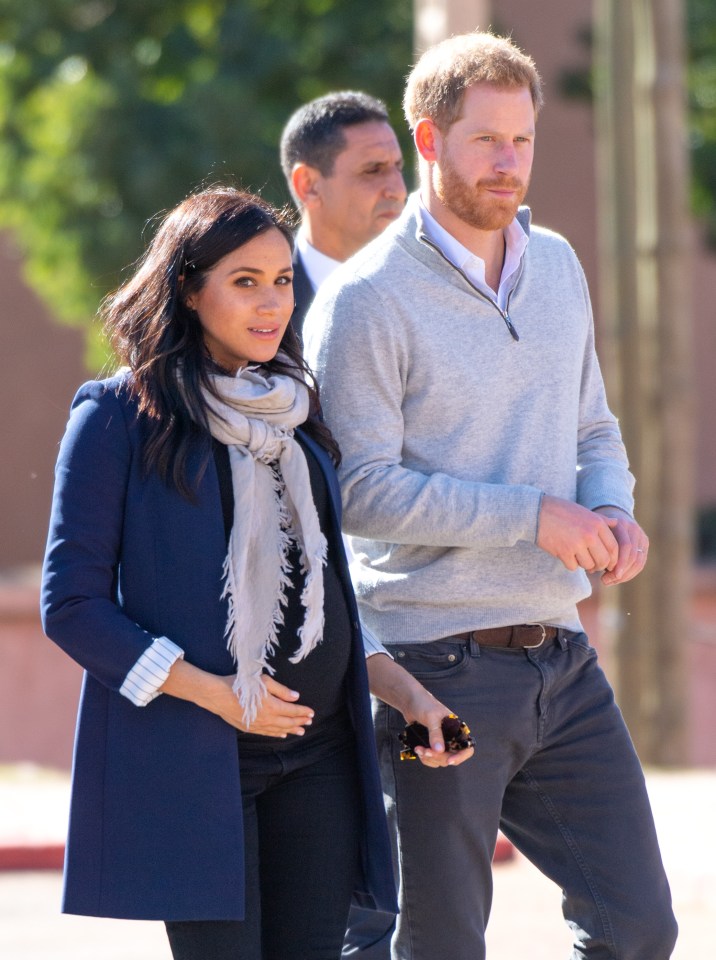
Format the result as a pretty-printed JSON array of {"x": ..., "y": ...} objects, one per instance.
[{"x": 503, "y": 313}]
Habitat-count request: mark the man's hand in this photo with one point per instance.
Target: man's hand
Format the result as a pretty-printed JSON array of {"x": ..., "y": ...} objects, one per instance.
[
  {"x": 633, "y": 546},
  {"x": 396, "y": 686},
  {"x": 431, "y": 713},
  {"x": 577, "y": 536}
]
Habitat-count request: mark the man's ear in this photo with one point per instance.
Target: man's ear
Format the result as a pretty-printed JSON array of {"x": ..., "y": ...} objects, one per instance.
[
  {"x": 306, "y": 184},
  {"x": 428, "y": 140}
]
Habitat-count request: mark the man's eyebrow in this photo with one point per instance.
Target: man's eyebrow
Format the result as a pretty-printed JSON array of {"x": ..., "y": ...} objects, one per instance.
[{"x": 381, "y": 163}]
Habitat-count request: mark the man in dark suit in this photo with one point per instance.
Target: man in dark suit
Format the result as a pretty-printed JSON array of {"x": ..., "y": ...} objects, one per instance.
[{"x": 343, "y": 166}]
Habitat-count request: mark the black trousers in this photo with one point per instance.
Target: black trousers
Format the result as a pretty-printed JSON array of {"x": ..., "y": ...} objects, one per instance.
[{"x": 302, "y": 828}]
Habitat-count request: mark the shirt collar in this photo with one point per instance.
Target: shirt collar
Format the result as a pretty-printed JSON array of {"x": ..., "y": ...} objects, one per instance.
[
  {"x": 317, "y": 265},
  {"x": 516, "y": 240}
]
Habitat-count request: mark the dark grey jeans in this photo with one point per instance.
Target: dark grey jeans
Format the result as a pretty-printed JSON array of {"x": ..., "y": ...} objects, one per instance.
[{"x": 556, "y": 770}]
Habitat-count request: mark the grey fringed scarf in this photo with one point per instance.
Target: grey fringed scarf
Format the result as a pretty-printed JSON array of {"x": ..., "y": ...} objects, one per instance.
[{"x": 273, "y": 506}]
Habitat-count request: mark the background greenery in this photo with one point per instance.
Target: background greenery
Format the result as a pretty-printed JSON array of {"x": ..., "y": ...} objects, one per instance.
[
  {"x": 110, "y": 112},
  {"x": 701, "y": 19}
]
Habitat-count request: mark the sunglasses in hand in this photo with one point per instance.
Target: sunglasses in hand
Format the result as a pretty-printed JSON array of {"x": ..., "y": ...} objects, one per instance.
[{"x": 456, "y": 735}]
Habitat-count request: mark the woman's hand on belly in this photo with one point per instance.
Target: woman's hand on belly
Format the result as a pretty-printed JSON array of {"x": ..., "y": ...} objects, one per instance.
[{"x": 278, "y": 714}]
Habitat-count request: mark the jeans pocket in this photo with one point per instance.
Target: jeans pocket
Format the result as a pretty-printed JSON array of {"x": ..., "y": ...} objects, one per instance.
[
  {"x": 579, "y": 642},
  {"x": 431, "y": 660}
]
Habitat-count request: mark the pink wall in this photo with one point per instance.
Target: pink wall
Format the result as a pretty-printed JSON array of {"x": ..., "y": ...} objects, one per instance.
[
  {"x": 39, "y": 684},
  {"x": 42, "y": 366},
  {"x": 704, "y": 309}
]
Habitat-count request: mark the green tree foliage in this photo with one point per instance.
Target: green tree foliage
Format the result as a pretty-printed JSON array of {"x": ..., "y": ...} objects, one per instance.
[
  {"x": 702, "y": 103},
  {"x": 111, "y": 111}
]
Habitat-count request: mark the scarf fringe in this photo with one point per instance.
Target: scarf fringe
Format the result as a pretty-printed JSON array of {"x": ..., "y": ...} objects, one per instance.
[
  {"x": 311, "y": 632},
  {"x": 248, "y": 685}
]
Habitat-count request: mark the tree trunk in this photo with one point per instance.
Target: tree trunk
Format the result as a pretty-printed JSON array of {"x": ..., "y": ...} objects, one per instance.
[{"x": 645, "y": 327}]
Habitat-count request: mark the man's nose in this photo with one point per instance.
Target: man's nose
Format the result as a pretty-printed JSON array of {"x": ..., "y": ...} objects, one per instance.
[
  {"x": 395, "y": 187},
  {"x": 506, "y": 158}
]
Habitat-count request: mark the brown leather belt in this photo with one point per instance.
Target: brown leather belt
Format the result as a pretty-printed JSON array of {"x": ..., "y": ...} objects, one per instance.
[{"x": 525, "y": 635}]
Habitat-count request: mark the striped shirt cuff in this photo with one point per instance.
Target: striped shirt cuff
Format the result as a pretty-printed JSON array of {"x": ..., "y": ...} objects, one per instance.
[
  {"x": 142, "y": 683},
  {"x": 371, "y": 644}
]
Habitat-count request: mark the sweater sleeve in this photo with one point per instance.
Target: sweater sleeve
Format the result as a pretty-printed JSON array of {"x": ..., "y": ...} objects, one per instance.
[
  {"x": 360, "y": 353},
  {"x": 79, "y": 582},
  {"x": 603, "y": 476}
]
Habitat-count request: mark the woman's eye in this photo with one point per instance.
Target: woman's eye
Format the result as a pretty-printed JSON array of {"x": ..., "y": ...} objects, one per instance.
[{"x": 283, "y": 281}]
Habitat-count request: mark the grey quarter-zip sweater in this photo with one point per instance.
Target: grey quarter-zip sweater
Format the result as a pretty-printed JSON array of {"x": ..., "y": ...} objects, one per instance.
[{"x": 451, "y": 431}]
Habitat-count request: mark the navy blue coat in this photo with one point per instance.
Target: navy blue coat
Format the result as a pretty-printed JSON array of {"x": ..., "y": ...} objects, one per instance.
[{"x": 156, "y": 819}]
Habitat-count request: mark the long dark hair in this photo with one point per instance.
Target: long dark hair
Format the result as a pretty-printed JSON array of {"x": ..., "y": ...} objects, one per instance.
[{"x": 159, "y": 337}]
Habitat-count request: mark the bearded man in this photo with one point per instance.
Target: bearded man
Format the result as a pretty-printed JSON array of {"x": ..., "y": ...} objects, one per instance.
[{"x": 483, "y": 478}]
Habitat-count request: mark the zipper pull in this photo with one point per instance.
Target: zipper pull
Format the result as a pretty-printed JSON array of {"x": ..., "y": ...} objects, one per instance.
[{"x": 510, "y": 327}]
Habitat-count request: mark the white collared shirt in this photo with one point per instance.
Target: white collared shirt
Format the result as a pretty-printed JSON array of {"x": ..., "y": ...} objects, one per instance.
[
  {"x": 317, "y": 265},
  {"x": 473, "y": 267}
]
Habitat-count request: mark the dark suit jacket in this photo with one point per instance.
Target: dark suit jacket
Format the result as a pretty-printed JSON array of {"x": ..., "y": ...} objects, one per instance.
[
  {"x": 156, "y": 814},
  {"x": 303, "y": 294}
]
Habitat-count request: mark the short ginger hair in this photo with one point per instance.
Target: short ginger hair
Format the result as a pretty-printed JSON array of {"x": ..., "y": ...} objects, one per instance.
[{"x": 438, "y": 81}]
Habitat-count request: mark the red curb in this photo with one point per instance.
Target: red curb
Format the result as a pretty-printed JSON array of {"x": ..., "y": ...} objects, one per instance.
[
  {"x": 503, "y": 850},
  {"x": 36, "y": 856},
  {"x": 51, "y": 856}
]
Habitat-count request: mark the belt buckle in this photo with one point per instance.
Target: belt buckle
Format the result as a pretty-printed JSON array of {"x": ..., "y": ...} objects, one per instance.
[{"x": 534, "y": 646}]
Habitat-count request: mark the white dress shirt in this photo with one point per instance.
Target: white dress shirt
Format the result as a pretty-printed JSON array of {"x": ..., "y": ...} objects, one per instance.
[
  {"x": 474, "y": 267},
  {"x": 317, "y": 265}
]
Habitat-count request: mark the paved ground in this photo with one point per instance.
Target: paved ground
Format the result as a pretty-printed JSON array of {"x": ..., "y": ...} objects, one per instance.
[{"x": 526, "y": 919}]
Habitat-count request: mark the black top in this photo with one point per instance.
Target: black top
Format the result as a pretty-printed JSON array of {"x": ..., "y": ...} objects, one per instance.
[{"x": 319, "y": 677}]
